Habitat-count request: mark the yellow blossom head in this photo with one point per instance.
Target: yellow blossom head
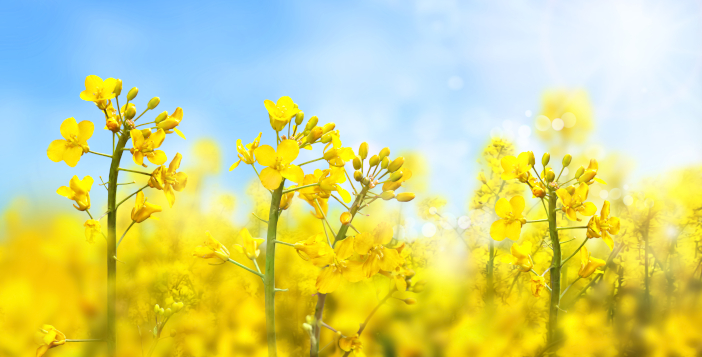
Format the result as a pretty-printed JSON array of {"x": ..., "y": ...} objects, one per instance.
[
  {"x": 282, "y": 112},
  {"x": 146, "y": 147},
  {"x": 516, "y": 167},
  {"x": 279, "y": 164},
  {"x": 143, "y": 210},
  {"x": 588, "y": 264},
  {"x": 212, "y": 249},
  {"x": 92, "y": 230},
  {"x": 576, "y": 202},
  {"x": 520, "y": 256},
  {"x": 97, "y": 90},
  {"x": 537, "y": 285},
  {"x": 510, "y": 224},
  {"x": 74, "y": 144},
  {"x": 249, "y": 245},
  {"x": 78, "y": 191},
  {"x": 49, "y": 337}
]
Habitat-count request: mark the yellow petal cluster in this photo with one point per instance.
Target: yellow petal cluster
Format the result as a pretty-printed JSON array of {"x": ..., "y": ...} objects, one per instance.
[
  {"x": 279, "y": 164},
  {"x": 143, "y": 210},
  {"x": 146, "y": 147},
  {"x": 168, "y": 180},
  {"x": 212, "y": 249},
  {"x": 249, "y": 246},
  {"x": 281, "y": 112},
  {"x": 50, "y": 337},
  {"x": 74, "y": 143},
  {"x": 510, "y": 224},
  {"x": 78, "y": 191},
  {"x": 604, "y": 226},
  {"x": 588, "y": 264},
  {"x": 575, "y": 203}
]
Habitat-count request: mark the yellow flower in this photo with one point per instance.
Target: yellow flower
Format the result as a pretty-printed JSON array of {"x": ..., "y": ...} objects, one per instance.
[
  {"x": 537, "y": 285},
  {"x": 588, "y": 264},
  {"x": 590, "y": 172},
  {"x": 398, "y": 278},
  {"x": 143, "y": 210},
  {"x": 286, "y": 199},
  {"x": 212, "y": 249},
  {"x": 97, "y": 90},
  {"x": 249, "y": 246},
  {"x": 112, "y": 120},
  {"x": 352, "y": 344},
  {"x": 171, "y": 122},
  {"x": 168, "y": 180},
  {"x": 279, "y": 164},
  {"x": 516, "y": 167},
  {"x": 393, "y": 186},
  {"x": 316, "y": 249},
  {"x": 521, "y": 256},
  {"x": 510, "y": 224},
  {"x": 281, "y": 112},
  {"x": 92, "y": 230},
  {"x": 339, "y": 267},
  {"x": 246, "y": 153},
  {"x": 146, "y": 147},
  {"x": 576, "y": 202},
  {"x": 50, "y": 337},
  {"x": 329, "y": 181},
  {"x": 76, "y": 137},
  {"x": 604, "y": 226},
  {"x": 379, "y": 256},
  {"x": 79, "y": 191},
  {"x": 339, "y": 156}
]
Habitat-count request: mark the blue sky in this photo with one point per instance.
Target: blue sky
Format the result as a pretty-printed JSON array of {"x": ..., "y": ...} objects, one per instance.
[{"x": 429, "y": 76}]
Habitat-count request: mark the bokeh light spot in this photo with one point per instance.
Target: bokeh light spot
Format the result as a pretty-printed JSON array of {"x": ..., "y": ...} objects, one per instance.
[
  {"x": 543, "y": 123},
  {"x": 464, "y": 222},
  {"x": 615, "y": 193},
  {"x": 557, "y": 124},
  {"x": 569, "y": 119},
  {"x": 628, "y": 200},
  {"x": 428, "y": 230},
  {"x": 527, "y": 113},
  {"x": 604, "y": 194}
]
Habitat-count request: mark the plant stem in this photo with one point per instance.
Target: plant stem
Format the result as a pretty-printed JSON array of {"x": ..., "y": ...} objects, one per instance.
[
  {"x": 553, "y": 333},
  {"x": 125, "y": 233},
  {"x": 575, "y": 252},
  {"x": 112, "y": 247},
  {"x": 574, "y": 227},
  {"x": 134, "y": 171},
  {"x": 319, "y": 308},
  {"x": 84, "y": 340},
  {"x": 245, "y": 267},
  {"x": 365, "y": 323},
  {"x": 269, "y": 276},
  {"x": 571, "y": 284},
  {"x": 311, "y": 161},
  {"x": 538, "y": 220},
  {"x": 490, "y": 273},
  {"x": 300, "y": 187},
  {"x": 101, "y": 154}
]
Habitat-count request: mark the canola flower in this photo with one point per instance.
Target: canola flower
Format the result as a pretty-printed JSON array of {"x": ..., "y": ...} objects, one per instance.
[{"x": 122, "y": 127}]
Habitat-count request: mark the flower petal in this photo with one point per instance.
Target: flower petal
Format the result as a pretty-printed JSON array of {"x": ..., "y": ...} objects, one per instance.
[
  {"x": 503, "y": 208},
  {"x": 56, "y": 150},
  {"x": 288, "y": 151},
  {"x": 69, "y": 128},
  {"x": 72, "y": 155},
  {"x": 328, "y": 280},
  {"x": 265, "y": 155},
  {"x": 293, "y": 173},
  {"x": 158, "y": 157},
  {"x": 270, "y": 178},
  {"x": 85, "y": 129},
  {"x": 498, "y": 230}
]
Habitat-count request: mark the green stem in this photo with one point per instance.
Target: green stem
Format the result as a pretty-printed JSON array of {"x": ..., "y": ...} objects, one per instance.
[
  {"x": 85, "y": 340},
  {"x": 300, "y": 187},
  {"x": 573, "y": 227},
  {"x": 553, "y": 333},
  {"x": 537, "y": 221},
  {"x": 125, "y": 233},
  {"x": 311, "y": 161},
  {"x": 490, "y": 274},
  {"x": 575, "y": 252},
  {"x": 269, "y": 276},
  {"x": 571, "y": 284},
  {"x": 126, "y": 198},
  {"x": 134, "y": 171},
  {"x": 367, "y": 320},
  {"x": 101, "y": 154},
  {"x": 112, "y": 248},
  {"x": 245, "y": 267}
]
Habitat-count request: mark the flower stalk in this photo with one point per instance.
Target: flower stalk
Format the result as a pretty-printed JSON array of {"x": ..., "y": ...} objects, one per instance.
[
  {"x": 556, "y": 265},
  {"x": 269, "y": 275}
]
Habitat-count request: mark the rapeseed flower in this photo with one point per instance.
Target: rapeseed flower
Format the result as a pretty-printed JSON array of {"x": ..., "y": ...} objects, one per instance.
[
  {"x": 279, "y": 164},
  {"x": 79, "y": 191},
  {"x": 510, "y": 224},
  {"x": 75, "y": 142}
]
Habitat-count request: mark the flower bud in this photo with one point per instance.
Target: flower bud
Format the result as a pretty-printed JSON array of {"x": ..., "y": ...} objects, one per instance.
[
  {"x": 566, "y": 160},
  {"x": 384, "y": 153},
  {"x": 410, "y": 301},
  {"x": 311, "y": 123},
  {"x": 330, "y": 155},
  {"x": 384, "y": 163},
  {"x": 363, "y": 150},
  {"x": 357, "y": 163},
  {"x": 538, "y": 192},
  {"x": 550, "y": 175},
  {"x": 580, "y": 172},
  {"x": 102, "y": 105},
  {"x": 328, "y": 127},
  {"x": 374, "y": 160},
  {"x": 345, "y": 218},
  {"x": 146, "y": 133},
  {"x": 587, "y": 176},
  {"x": 153, "y": 103},
  {"x": 532, "y": 160},
  {"x": 570, "y": 190},
  {"x": 482, "y": 178},
  {"x": 315, "y": 134},
  {"x": 357, "y": 175},
  {"x": 365, "y": 181},
  {"x": 130, "y": 112},
  {"x": 118, "y": 87},
  {"x": 326, "y": 138},
  {"x": 396, "y": 176},
  {"x": 299, "y": 117},
  {"x": 545, "y": 159},
  {"x": 419, "y": 286},
  {"x": 168, "y": 312},
  {"x": 161, "y": 117},
  {"x": 396, "y": 164},
  {"x": 387, "y": 195},
  {"x": 405, "y": 197},
  {"x": 157, "y": 309},
  {"x": 132, "y": 93}
]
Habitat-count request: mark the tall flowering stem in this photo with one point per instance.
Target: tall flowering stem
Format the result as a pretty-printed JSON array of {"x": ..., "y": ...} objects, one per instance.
[
  {"x": 269, "y": 275},
  {"x": 555, "y": 271},
  {"x": 112, "y": 243}
]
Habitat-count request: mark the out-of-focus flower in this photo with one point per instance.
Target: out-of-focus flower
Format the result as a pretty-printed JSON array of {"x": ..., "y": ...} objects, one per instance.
[
  {"x": 50, "y": 338},
  {"x": 212, "y": 249},
  {"x": 517, "y": 167},
  {"x": 168, "y": 180},
  {"x": 246, "y": 153},
  {"x": 510, "y": 224},
  {"x": 340, "y": 267},
  {"x": 76, "y": 137},
  {"x": 604, "y": 226},
  {"x": 590, "y": 173},
  {"x": 537, "y": 285},
  {"x": 588, "y": 264},
  {"x": 279, "y": 164},
  {"x": 97, "y": 90},
  {"x": 79, "y": 191},
  {"x": 379, "y": 256},
  {"x": 576, "y": 202},
  {"x": 92, "y": 230},
  {"x": 147, "y": 147},
  {"x": 316, "y": 249},
  {"x": 520, "y": 256},
  {"x": 353, "y": 345},
  {"x": 281, "y": 112},
  {"x": 249, "y": 245},
  {"x": 143, "y": 210},
  {"x": 171, "y": 122}
]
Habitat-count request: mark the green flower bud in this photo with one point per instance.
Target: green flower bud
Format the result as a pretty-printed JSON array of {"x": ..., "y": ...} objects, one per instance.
[
  {"x": 566, "y": 160},
  {"x": 550, "y": 175},
  {"x": 357, "y": 163},
  {"x": 161, "y": 117},
  {"x": 311, "y": 123},
  {"x": 153, "y": 103},
  {"x": 545, "y": 159},
  {"x": 118, "y": 87},
  {"x": 357, "y": 175},
  {"x": 580, "y": 172},
  {"x": 363, "y": 150},
  {"x": 157, "y": 309},
  {"x": 130, "y": 112},
  {"x": 532, "y": 160},
  {"x": 384, "y": 153},
  {"x": 299, "y": 117},
  {"x": 326, "y": 138},
  {"x": 384, "y": 163},
  {"x": 132, "y": 93},
  {"x": 405, "y": 197},
  {"x": 328, "y": 127},
  {"x": 396, "y": 176},
  {"x": 374, "y": 160},
  {"x": 396, "y": 164},
  {"x": 387, "y": 195}
]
